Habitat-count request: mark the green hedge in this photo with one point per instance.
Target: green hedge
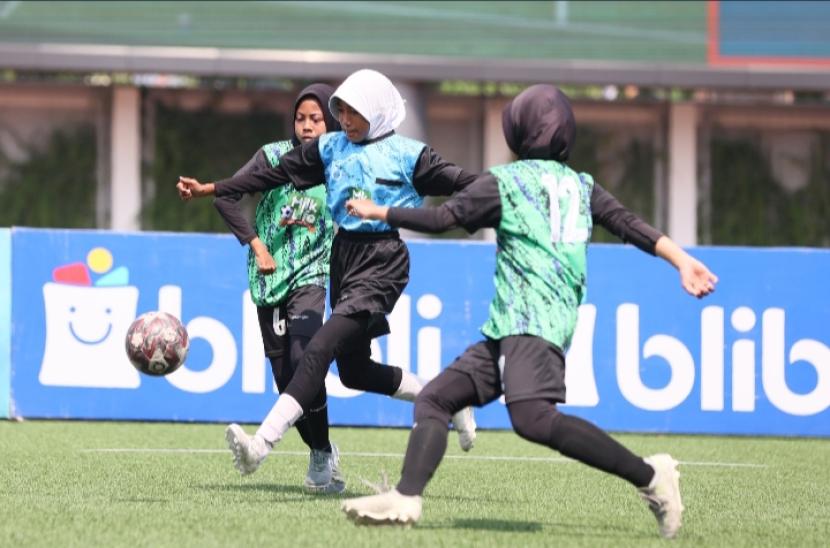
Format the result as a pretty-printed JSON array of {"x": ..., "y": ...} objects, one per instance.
[
  {"x": 209, "y": 146},
  {"x": 635, "y": 186},
  {"x": 749, "y": 207},
  {"x": 55, "y": 186}
]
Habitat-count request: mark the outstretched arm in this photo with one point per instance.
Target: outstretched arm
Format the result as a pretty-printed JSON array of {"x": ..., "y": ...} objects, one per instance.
[
  {"x": 431, "y": 220},
  {"x": 695, "y": 277},
  {"x": 301, "y": 166},
  {"x": 477, "y": 206},
  {"x": 228, "y": 205},
  {"x": 434, "y": 176},
  {"x": 189, "y": 188},
  {"x": 607, "y": 211}
]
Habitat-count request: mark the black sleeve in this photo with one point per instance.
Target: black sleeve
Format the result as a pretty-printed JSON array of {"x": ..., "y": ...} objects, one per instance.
[
  {"x": 302, "y": 166},
  {"x": 228, "y": 204},
  {"x": 258, "y": 162},
  {"x": 477, "y": 206},
  {"x": 607, "y": 211},
  {"x": 435, "y": 177},
  {"x": 228, "y": 208}
]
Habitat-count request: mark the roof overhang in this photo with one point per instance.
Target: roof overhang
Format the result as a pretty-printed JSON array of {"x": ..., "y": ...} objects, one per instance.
[{"x": 332, "y": 65}]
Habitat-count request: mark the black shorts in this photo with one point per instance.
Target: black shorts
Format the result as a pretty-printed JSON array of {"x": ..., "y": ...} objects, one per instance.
[
  {"x": 369, "y": 272},
  {"x": 521, "y": 367},
  {"x": 300, "y": 314}
]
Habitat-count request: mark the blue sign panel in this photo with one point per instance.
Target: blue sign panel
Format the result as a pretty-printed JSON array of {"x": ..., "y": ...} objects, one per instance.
[
  {"x": 793, "y": 32},
  {"x": 750, "y": 359}
]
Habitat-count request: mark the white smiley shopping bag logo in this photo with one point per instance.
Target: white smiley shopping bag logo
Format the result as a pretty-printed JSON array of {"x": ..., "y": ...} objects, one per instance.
[{"x": 86, "y": 322}]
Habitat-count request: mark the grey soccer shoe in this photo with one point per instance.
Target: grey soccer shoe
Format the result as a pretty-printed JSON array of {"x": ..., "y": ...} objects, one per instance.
[
  {"x": 663, "y": 494},
  {"x": 389, "y": 508},
  {"x": 465, "y": 424},
  {"x": 248, "y": 451},
  {"x": 323, "y": 474}
]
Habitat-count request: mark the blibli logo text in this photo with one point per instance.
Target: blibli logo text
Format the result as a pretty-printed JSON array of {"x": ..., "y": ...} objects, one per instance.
[
  {"x": 634, "y": 353},
  {"x": 745, "y": 388},
  {"x": 256, "y": 376}
]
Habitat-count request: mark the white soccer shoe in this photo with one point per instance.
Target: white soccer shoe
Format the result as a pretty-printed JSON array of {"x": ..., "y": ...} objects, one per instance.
[
  {"x": 248, "y": 451},
  {"x": 324, "y": 472},
  {"x": 389, "y": 508},
  {"x": 663, "y": 494},
  {"x": 465, "y": 424}
]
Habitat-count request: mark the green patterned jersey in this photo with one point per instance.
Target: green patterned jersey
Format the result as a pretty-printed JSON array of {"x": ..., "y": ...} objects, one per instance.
[
  {"x": 541, "y": 250},
  {"x": 297, "y": 228}
]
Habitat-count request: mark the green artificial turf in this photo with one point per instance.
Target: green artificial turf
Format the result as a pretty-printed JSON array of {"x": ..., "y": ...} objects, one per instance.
[{"x": 160, "y": 484}]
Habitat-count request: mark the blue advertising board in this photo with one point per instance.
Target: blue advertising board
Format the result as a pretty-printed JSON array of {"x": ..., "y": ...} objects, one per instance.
[
  {"x": 752, "y": 358},
  {"x": 783, "y": 33}
]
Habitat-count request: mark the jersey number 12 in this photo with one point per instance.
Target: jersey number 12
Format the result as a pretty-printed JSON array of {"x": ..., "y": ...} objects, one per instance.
[{"x": 564, "y": 195}]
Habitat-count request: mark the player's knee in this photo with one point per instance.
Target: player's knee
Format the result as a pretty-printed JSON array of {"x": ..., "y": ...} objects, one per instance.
[
  {"x": 350, "y": 377},
  {"x": 429, "y": 404},
  {"x": 315, "y": 363},
  {"x": 526, "y": 429},
  {"x": 532, "y": 421}
]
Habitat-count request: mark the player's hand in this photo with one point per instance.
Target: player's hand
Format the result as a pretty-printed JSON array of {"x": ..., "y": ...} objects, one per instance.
[
  {"x": 190, "y": 188},
  {"x": 696, "y": 279},
  {"x": 365, "y": 209},
  {"x": 265, "y": 263}
]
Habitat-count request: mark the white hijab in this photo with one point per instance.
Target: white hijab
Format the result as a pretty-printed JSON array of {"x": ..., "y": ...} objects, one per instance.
[{"x": 375, "y": 97}]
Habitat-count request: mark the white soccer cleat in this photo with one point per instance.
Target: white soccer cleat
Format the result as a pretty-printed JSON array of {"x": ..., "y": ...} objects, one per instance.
[
  {"x": 248, "y": 451},
  {"x": 465, "y": 424},
  {"x": 324, "y": 472},
  {"x": 338, "y": 482},
  {"x": 389, "y": 508},
  {"x": 663, "y": 494}
]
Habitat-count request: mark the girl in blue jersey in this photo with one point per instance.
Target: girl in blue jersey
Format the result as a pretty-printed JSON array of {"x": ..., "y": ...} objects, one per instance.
[
  {"x": 543, "y": 213},
  {"x": 369, "y": 261},
  {"x": 290, "y": 302}
]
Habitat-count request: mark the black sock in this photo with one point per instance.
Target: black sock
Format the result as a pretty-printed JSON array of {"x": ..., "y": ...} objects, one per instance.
[
  {"x": 426, "y": 448},
  {"x": 304, "y": 431},
  {"x": 318, "y": 423}
]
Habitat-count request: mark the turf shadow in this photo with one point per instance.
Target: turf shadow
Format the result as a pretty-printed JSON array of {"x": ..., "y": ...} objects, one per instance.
[
  {"x": 497, "y": 525},
  {"x": 487, "y": 525},
  {"x": 290, "y": 490}
]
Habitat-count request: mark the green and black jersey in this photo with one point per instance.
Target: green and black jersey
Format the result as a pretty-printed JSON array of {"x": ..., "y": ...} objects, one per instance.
[
  {"x": 543, "y": 213},
  {"x": 294, "y": 224},
  {"x": 542, "y": 243}
]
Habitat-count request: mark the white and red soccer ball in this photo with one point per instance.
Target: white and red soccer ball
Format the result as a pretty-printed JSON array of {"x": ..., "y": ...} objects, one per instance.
[{"x": 157, "y": 343}]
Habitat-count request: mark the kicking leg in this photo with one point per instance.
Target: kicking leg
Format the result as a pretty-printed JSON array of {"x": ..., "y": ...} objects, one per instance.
[
  {"x": 656, "y": 477},
  {"x": 448, "y": 392},
  {"x": 299, "y": 395},
  {"x": 282, "y": 376},
  {"x": 359, "y": 372}
]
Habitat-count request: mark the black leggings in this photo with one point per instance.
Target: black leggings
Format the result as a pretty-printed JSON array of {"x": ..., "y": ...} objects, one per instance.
[
  {"x": 344, "y": 338},
  {"x": 313, "y": 427},
  {"x": 534, "y": 420}
]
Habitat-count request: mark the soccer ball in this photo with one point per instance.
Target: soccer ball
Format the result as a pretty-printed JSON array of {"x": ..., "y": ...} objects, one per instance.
[{"x": 157, "y": 343}]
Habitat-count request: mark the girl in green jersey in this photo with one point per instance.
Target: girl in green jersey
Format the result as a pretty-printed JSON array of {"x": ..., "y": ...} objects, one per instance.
[{"x": 543, "y": 213}]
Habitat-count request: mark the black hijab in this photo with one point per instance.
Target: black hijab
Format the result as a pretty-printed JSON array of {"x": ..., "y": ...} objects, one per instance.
[
  {"x": 320, "y": 93},
  {"x": 539, "y": 124}
]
